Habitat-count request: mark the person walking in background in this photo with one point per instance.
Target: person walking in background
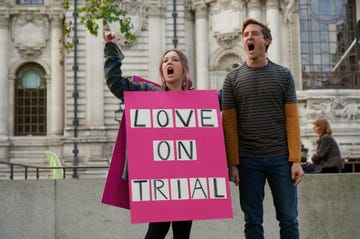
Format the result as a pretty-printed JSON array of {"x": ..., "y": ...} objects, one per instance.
[
  {"x": 262, "y": 134},
  {"x": 327, "y": 151},
  {"x": 174, "y": 75}
]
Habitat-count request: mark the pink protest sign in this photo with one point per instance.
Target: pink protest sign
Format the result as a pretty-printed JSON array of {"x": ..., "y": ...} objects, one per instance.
[
  {"x": 116, "y": 189},
  {"x": 176, "y": 156}
]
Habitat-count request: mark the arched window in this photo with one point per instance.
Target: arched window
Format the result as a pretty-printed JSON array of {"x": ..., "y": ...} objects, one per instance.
[
  {"x": 30, "y": 101},
  {"x": 329, "y": 54}
]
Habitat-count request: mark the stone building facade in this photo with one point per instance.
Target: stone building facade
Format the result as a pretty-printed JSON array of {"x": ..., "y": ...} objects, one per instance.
[{"x": 57, "y": 101}]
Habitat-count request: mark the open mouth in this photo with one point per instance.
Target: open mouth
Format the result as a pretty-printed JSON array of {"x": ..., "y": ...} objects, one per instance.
[
  {"x": 251, "y": 46},
  {"x": 170, "y": 71}
]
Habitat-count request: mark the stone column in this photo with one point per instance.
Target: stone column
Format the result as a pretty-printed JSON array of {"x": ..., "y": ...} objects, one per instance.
[
  {"x": 202, "y": 46},
  {"x": 156, "y": 38},
  {"x": 254, "y": 9},
  {"x": 56, "y": 124},
  {"x": 190, "y": 40},
  {"x": 4, "y": 81},
  {"x": 291, "y": 34},
  {"x": 273, "y": 20},
  {"x": 94, "y": 78}
]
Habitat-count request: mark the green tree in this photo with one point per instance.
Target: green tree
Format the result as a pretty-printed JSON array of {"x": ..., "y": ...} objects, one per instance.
[{"x": 94, "y": 10}]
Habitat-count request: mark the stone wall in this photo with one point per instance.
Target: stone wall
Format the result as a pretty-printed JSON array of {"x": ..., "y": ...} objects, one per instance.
[{"x": 72, "y": 209}]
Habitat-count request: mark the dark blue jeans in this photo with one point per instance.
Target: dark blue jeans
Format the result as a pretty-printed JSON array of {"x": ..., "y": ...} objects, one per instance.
[{"x": 277, "y": 171}]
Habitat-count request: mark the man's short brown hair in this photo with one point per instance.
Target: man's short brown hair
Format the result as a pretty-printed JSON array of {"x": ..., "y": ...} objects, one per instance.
[{"x": 265, "y": 30}]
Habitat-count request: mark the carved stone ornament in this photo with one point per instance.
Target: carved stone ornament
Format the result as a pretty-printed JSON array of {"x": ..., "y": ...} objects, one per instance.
[
  {"x": 30, "y": 33},
  {"x": 135, "y": 10},
  {"x": 227, "y": 40},
  {"x": 223, "y": 5},
  {"x": 289, "y": 7},
  {"x": 335, "y": 109}
]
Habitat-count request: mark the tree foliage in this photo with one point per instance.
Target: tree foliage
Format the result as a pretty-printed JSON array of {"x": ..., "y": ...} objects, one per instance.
[{"x": 107, "y": 11}]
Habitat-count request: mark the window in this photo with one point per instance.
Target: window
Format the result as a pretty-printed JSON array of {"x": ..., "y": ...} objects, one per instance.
[
  {"x": 30, "y": 101},
  {"x": 29, "y": 2},
  {"x": 329, "y": 52}
]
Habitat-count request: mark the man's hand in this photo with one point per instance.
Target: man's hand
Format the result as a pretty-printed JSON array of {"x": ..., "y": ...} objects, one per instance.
[
  {"x": 234, "y": 175},
  {"x": 297, "y": 173}
]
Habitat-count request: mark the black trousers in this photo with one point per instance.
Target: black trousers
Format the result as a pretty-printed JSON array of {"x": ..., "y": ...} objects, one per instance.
[
  {"x": 330, "y": 170},
  {"x": 158, "y": 230}
]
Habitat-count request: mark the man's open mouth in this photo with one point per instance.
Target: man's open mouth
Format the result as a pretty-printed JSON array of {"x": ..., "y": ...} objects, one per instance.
[{"x": 251, "y": 46}]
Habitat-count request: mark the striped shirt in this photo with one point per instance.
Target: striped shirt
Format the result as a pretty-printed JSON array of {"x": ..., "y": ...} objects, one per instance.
[{"x": 259, "y": 96}]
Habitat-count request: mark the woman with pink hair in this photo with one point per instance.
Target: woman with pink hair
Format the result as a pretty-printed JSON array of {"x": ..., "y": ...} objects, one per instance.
[{"x": 174, "y": 75}]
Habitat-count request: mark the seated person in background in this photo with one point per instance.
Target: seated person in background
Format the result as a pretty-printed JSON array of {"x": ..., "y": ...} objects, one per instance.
[{"x": 327, "y": 150}]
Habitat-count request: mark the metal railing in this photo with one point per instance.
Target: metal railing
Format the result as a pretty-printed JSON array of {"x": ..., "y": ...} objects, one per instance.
[
  {"x": 352, "y": 165},
  {"x": 28, "y": 170}
]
